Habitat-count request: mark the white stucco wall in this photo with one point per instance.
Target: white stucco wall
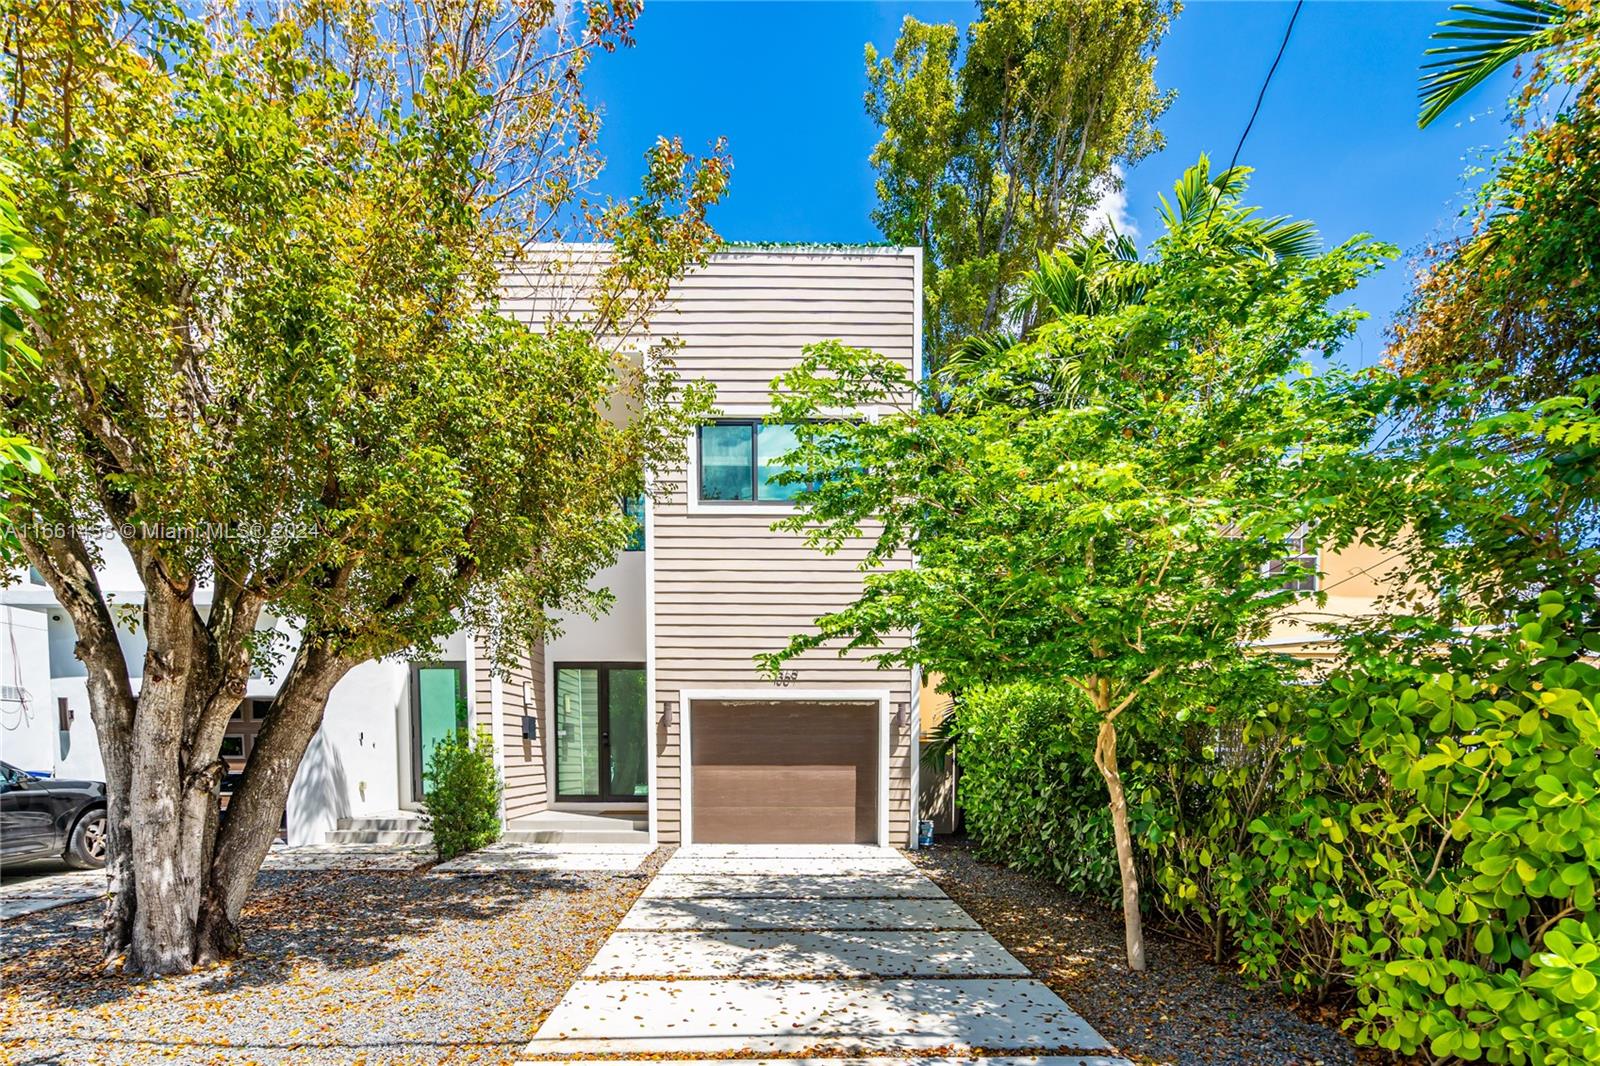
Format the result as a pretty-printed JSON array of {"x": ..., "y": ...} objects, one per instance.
[
  {"x": 617, "y": 637},
  {"x": 79, "y": 754},
  {"x": 353, "y": 765},
  {"x": 29, "y": 723}
]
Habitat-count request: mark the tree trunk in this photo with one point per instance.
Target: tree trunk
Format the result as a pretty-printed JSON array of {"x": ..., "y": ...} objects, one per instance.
[
  {"x": 257, "y": 805},
  {"x": 1105, "y": 757},
  {"x": 165, "y": 866},
  {"x": 67, "y": 566}
]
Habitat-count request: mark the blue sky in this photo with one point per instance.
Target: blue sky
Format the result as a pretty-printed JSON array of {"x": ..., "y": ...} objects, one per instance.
[{"x": 1336, "y": 139}]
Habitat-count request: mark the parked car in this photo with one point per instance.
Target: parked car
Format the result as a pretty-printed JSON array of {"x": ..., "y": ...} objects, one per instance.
[{"x": 41, "y": 818}]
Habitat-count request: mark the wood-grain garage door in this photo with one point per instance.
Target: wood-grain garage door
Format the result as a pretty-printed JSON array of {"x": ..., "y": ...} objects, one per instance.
[{"x": 785, "y": 773}]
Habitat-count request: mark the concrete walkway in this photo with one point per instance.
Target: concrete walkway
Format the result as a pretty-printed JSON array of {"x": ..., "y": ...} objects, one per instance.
[{"x": 807, "y": 954}]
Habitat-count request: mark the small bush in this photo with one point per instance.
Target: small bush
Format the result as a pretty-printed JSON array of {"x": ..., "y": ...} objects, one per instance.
[{"x": 463, "y": 798}]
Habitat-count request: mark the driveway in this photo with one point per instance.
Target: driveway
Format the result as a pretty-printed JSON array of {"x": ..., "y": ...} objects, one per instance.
[
  {"x": 44, "y": 884},
  {"x": 795, "y": 950}
]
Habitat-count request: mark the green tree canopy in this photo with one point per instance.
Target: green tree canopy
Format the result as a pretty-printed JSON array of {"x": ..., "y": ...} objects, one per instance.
[
  {"x": 21, "y": 286},
  {"x": 1115, "y": 538},
  {"x": 996, "y": 150},
  {"x": 1518, "y": 298},
  {"x": 275, "y": 370}
]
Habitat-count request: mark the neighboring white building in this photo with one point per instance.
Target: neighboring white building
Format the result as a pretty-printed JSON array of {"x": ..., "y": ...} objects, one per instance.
[{"x": 655, "y": 713}]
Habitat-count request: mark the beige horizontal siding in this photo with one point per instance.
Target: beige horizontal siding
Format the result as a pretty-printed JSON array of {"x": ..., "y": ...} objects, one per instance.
[
  {"x": 726, "y": 586},
  {"x": 523, "y": 760}
]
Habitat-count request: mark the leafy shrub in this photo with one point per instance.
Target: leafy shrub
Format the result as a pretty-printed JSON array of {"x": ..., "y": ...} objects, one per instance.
[
  {"x": 463, "y": 798},
  {"x": 1440, "y": 812},
  {"x": 1030, "y": 792},
  {"x": 1420, "y": 835}
]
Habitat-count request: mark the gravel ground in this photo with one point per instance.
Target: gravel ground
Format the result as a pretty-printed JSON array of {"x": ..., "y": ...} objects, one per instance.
[
  {"x": 1182, "y": 1011},
  {"x": 340, "y": 967}
]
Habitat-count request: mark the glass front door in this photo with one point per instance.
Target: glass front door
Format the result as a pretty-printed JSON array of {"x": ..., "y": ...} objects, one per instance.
[
  {"x": 601, "y": 733},
  {"x": 438, "y": 708}
]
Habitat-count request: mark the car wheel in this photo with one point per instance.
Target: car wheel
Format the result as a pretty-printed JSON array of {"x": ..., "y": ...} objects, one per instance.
[{"x": 86, "y": 849}]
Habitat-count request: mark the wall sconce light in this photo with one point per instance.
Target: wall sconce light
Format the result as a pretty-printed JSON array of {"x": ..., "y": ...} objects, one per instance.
[
  {"x": 902, "y": 717},
  {"x": 527, "y": 693},
  {"x": 666, "y": 714},
  {"x": 530, "y": 727}
]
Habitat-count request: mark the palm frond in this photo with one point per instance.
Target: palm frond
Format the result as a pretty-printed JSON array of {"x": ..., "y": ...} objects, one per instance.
[
  {"x": 1483, "y": 43},
  {"x": 977, "y": 351},
  {"x": 1287, "y": 238}
]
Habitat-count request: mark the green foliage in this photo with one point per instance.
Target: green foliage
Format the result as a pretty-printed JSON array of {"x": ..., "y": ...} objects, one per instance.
[
  {"x": 992, "y": 155},
  {"x": 1097, "y": 507},
  {"x": 1444, "y": 802},
  {"x": 21, "y": 289},
  {"x": 1518, "y": 299},
  {"x": 1105, "y": 533},
  {"x": 1029, "y": 791},
  {"x": 275, "y": 260},
  {"x": 463, "y": 798}
]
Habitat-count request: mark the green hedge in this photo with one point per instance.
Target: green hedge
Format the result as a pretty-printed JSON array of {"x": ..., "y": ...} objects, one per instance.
[{"x": 1419, "y": 836}]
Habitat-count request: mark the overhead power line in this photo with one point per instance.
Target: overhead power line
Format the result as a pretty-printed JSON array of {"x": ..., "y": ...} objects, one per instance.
[{"x": 1288, "y": 31}]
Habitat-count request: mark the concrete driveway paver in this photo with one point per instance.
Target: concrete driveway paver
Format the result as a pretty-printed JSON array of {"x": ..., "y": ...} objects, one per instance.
[
  {"x": 799, "y": 914},
  {"x": 773, "y": 865},
  {"x": 809, "y": 950},
  {"x": 809, "y": 954},
  {"x": 653, "y": 1017},
  {"x": 805, "y": 886}
]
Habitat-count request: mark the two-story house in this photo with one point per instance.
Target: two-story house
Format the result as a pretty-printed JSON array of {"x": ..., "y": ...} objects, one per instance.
[{"x": 654, "y": 717}]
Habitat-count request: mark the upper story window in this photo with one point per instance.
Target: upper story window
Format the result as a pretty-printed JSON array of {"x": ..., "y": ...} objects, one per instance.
[
  {"x": 739, "y": 458},
  {"x": 1299, "y": 565},
  {"x": 633, "y": 507}
]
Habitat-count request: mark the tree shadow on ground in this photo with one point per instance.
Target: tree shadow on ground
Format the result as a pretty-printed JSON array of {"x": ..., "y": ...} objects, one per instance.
[{"x": 330, "y": 921}]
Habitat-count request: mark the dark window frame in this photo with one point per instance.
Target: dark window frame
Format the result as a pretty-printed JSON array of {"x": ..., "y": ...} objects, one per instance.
[
  {"x": 603, "y": 669},
  {"x": 756, "y": 482},
  {"x": 417, "y": 754}
]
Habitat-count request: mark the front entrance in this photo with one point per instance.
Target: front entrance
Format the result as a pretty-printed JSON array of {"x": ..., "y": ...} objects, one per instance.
[
  {"x": 438, "y": 708},
  {"x": 600, "y": 732}
]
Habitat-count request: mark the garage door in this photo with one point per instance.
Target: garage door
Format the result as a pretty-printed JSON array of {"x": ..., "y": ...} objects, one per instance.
[{"x": 784, "y": 773}]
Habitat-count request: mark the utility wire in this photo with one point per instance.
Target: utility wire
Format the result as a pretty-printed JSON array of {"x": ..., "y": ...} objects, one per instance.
[{"x": 1262, "y": 95}]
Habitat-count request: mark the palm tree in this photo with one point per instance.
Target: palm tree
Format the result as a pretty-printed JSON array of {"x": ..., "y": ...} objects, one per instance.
[
  {"x": 1103, "y": 273},
  {"x": 1474, "y": 47}
]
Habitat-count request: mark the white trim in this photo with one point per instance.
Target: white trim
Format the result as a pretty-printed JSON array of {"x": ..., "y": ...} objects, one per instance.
[
  {"x": 653, "y": 712},
  {"x": 687, "y": 698},
  {"x": 547, "y": 728},
  {"x": 885, "y": 760},
  {"x": 914, "y": 723},
  {"x": 916, "y": 312}
]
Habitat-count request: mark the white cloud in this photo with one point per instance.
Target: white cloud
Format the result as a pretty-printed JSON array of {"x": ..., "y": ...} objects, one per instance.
[{"x": 1111, "y": 209}]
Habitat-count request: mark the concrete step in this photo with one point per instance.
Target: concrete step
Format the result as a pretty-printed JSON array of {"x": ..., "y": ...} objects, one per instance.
[
  {"x": 576, "y": 836},
  {"x": 378, "y": 836},
  {"x": 574, "y": 820},
  {"x": 383, "y": 822}
]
